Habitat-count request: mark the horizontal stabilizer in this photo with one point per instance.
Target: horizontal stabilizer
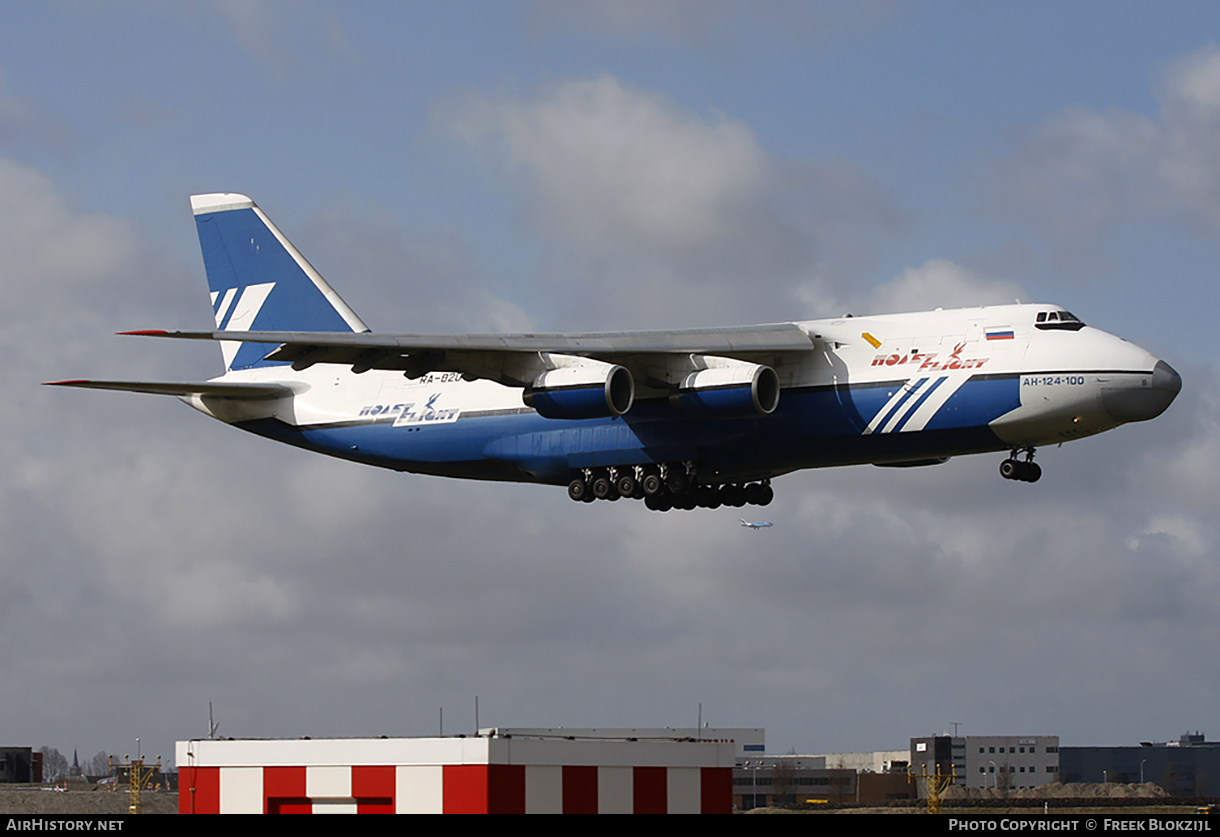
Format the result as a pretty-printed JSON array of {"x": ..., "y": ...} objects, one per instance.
[{"x": 239, "y": 392}]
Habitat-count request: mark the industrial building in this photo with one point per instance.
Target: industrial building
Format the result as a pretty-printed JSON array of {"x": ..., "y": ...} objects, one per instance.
[
  {"x": 989, "y": 761},
  {"x": 20, "y": 765},
  {"x": 640, "y": 770},
  {"x": 1187, "y": 767},
  {"x": 762, "y": 781},
  {"x": 497, "y": 772}
]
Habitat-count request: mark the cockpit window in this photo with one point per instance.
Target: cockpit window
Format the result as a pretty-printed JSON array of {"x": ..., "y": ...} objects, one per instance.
[{"x": 1058, "y": 321}]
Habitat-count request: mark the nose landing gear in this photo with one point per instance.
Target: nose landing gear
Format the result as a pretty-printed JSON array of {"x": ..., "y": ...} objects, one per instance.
[{"x": 1025, "y": 470}]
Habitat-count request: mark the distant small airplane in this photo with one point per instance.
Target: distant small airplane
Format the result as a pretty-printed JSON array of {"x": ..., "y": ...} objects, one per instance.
[
  {"x": 679, "y": 419},
  {"x": 766, "y": 524}
]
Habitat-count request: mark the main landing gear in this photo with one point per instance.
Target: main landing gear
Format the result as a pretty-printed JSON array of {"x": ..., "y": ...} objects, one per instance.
[
  {"x": 664, "y": 487},
  {"x": 1025, "y": 470}
]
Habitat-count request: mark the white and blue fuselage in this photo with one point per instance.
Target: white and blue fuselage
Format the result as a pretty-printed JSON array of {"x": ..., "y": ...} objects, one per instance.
[
  {"x": 934, "y": 387},
  {"x": 708, "y": 410}
]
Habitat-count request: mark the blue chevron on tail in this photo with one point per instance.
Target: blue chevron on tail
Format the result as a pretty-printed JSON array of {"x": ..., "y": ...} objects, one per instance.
[{"x": 259, "y": 281}]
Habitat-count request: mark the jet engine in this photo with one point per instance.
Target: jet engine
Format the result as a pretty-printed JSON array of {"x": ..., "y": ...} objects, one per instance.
[
  {"x": 733, "y": 390},
  {"x": 590, "y": 390}
]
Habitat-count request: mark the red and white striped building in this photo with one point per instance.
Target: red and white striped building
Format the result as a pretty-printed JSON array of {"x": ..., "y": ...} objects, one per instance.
[{"x": 492, "y": 774}]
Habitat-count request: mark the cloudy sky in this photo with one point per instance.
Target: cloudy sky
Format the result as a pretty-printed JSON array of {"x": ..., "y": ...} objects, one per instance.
[{"x": 602, "y": 165}]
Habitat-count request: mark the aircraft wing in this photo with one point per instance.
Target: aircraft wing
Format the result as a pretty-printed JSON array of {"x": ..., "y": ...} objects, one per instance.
[
  {"x": 240, "y": 392},
  {"x": 512, "y": 358}
]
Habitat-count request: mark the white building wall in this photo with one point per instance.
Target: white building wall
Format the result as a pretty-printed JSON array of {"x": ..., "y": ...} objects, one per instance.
[
  {"x": 683, "y": 785},
  {"x": 544, "y": 789},
  {"x": 615, "y": 790},
  {"x": 235, "y": 776},
  {"x": 419, "y": 789},
  {"x": 241, "y": 790}
]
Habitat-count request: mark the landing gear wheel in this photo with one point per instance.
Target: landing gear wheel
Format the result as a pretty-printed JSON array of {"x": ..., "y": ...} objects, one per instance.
[
  {"x": 651, "y": 483},
  {"x": 625, "y": 485},
  {"x": 659, "y": 502},
  {"x": 1016, "y": 469},
  {"x": 578, "y": 489},
  {"x": 602, "y": 488}
]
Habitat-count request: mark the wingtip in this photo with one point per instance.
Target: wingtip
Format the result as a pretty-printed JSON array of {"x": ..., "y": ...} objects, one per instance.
[{"x": 148, "y": 332}]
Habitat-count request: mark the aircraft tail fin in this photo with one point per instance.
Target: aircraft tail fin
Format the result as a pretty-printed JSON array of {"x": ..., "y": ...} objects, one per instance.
[{"x": 259, "y": 281}]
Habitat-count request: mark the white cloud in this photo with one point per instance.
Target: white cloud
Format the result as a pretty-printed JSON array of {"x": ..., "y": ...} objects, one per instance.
[
  {"x": 1183, "y": 529},
  {"x": 614, "y": 167},
  {"x": 640, "y": 199},
  {"x": 940, "y": 283},
  {"x": 399, "y": 281},
  {"x": 287, "y": 36},
  {"x": 50, "y": 250},
  {"x": 1189, "y": 162},
  {"x": 1086, "y": 169}
]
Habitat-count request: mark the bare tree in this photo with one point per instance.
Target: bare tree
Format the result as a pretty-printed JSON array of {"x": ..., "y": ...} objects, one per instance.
[
  {"x": 1003, "y": 779},
  {"x": 783, "y": 780},
  {"x": 54, "y": 765},
  {"x": 99, "y": 765}
]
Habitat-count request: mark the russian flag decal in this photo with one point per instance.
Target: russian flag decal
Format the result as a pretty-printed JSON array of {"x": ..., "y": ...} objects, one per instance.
[{"x": 999, "y": 333}]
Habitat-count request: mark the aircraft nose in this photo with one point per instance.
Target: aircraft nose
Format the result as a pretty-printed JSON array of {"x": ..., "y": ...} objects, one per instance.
[
  {"x": 1144, "y": 400},
  {"x": 1166, "y": 379}
]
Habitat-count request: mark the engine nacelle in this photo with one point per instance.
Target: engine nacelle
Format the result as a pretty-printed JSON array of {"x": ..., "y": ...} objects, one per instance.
[
  {"x": 591, "y": 390},
  {"x": 739, "y": 389}
]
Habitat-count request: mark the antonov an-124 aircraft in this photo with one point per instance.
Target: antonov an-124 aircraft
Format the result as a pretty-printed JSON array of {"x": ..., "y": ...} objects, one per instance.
[{"x": 695, "y": 417}]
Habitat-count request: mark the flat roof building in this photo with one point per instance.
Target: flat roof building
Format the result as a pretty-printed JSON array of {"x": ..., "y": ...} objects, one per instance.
[
  {"x": 989, "y": 761},
  {"x": 492, "y": 773},
  {"x": 1187, "y": 767}
]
